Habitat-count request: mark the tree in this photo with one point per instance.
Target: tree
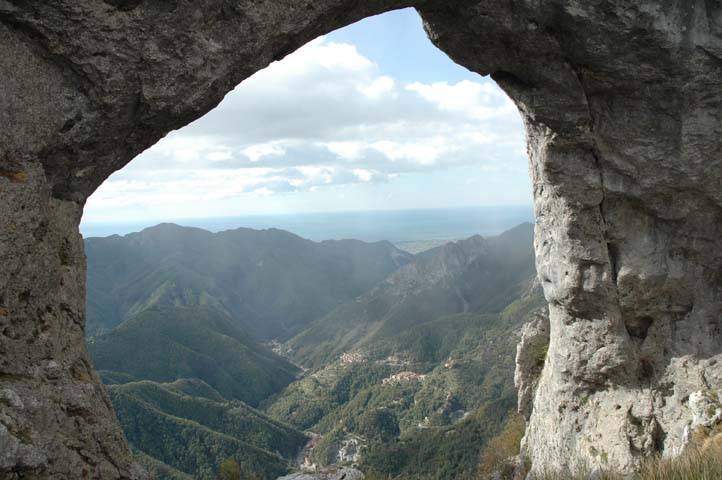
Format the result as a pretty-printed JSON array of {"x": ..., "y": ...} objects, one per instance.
[
  {"x": 229, "y": 470},
  {"x": 495, "y": 457},
  {"x": 378, "y": 424}
]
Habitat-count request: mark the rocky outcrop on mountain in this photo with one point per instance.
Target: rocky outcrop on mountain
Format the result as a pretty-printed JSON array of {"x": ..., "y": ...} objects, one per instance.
[
  {"x": 531, "y": 354},
  {"x": 623, "y": 109}
]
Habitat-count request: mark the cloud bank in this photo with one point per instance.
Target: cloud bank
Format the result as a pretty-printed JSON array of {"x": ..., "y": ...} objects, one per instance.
[{"x": 324, "y": 117}]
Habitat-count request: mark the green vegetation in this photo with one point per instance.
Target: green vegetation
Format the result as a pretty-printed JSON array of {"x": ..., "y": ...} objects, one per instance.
[
  {"x": 229, "y": 470},
  {"x": 445, "y": 419},
  {"x": 497, "y": 451},
  {"x": 378, "y": 425},
  {"x": 232, "y": 418},
  {"x": 195, "y": 388},
  {"x": 475, "y": 275},
  {"x": 437, "y": 454},
  {"x": 309, "y": 400},
  {"x": 270, "y": 282},
  {"x": 475, "y": 365},
  {"x": 194, "y": 435},
  {"x": 409, "y": 375},
  {"x": 439, "y": 424},
  {"x": 424, "y": 389},
  {"x": 188, "y": 425},
  {"x": 164, "y": 344},
  {"x": 158, "y": 469}
]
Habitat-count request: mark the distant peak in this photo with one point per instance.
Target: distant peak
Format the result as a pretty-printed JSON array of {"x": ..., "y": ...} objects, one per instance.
[
  {"x": 164, "y": 226},
  {"x": 168, "y": 227}
]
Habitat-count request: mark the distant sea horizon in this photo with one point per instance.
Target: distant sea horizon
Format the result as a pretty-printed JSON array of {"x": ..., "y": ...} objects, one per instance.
[{"x": 374, "y": 225}]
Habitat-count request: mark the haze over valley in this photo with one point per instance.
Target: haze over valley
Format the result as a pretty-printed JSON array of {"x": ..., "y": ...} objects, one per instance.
[{"x": 282, "y": 354}]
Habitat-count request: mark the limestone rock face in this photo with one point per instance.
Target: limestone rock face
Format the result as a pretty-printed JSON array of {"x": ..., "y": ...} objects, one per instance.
[
  {"x": 622, "y": 103},
  {"x": 531, "y": 354},
  {"x": 623, "y": 109}
]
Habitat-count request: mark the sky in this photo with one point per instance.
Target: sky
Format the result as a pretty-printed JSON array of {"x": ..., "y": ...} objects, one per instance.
[{"x": 369, "y": 117}]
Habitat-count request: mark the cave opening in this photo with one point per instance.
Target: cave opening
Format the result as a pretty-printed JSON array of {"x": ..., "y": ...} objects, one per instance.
[
  {"x": 343, "y": 140},
  {"x": 343, "y": 124}
]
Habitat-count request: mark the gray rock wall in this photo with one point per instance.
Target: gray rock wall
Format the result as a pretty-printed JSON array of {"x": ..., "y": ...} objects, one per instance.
[{"x": 623, "y": 107}]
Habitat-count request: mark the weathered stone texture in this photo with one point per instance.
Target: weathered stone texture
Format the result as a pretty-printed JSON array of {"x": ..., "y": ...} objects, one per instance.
[
  {"x": 531, "y": 354},
  {"x": 623, "y": 107}
]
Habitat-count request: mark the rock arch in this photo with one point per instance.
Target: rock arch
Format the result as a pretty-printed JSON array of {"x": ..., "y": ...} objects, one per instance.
[{"x": 622, "y": 103}]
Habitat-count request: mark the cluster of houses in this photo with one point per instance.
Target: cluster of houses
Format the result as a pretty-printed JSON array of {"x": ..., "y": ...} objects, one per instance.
[
  {"x": 403, "y": 376},
  {"x": 353, "y": 357}
]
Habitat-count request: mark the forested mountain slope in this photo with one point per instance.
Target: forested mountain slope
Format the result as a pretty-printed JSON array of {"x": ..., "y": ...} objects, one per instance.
[
  {"x": 271, "y": 282},
  {"x": 409, "y": 380},
  {"x": 164, "y": 344},
  {"x": 475, "y": 275},
  {"x": 410, "y": 358},
  {"x": 421, "y": 403},
  {"x": 194, "y": 435},
  {"x": 182, "y": 380}
]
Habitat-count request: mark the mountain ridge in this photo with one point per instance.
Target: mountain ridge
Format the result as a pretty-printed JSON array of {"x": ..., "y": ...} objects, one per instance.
[
  {"x": 272, "y": 282},
  {"x": 170, "y": 343},
  {"x": 419, "y": 353},
  {"x": 472, "y": 275}
]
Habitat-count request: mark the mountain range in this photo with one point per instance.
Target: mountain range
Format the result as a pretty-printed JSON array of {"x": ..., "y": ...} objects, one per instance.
[
  {"x": 168, "y": 343},
  {"x": 476, "y": 274},
  {"x": 270, "y": 282},
  {"x": 378, "y": 354}
]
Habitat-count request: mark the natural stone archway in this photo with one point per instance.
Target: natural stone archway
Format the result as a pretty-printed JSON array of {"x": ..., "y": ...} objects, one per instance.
[{"x": 623, "y": 107}]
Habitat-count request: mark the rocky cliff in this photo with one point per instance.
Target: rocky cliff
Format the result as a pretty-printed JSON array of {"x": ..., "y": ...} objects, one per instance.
[{"x": 623, "y": 108}]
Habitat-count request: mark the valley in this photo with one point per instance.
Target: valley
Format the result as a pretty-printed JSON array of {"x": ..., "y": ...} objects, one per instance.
[{"x": 280, "y": 354}]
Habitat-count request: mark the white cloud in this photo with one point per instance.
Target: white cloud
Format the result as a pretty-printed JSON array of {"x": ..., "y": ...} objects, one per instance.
[
  {"x": 318, "y": 55},
  {"x": 219, "y": 155},
  {"x": 184, "y": 149},
  {"x": 346, "y": 150},
  {"x": 257, "y": 152},
  {"x": 424, "y": 152},
  {"x": 363, "y": 174},
  {"x": 379, "y": 88},
  {"x": 263, "y": 191},
  {"x": 324, "y": 116},
  {"x": 481, "y": 101}
]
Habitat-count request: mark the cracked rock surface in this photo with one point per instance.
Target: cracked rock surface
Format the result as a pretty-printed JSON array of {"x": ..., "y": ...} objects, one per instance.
[{"x": 622, "y": 103}]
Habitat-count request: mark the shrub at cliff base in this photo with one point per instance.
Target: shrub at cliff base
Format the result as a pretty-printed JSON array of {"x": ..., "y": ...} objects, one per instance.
[{"x": 494, "y": 458}]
